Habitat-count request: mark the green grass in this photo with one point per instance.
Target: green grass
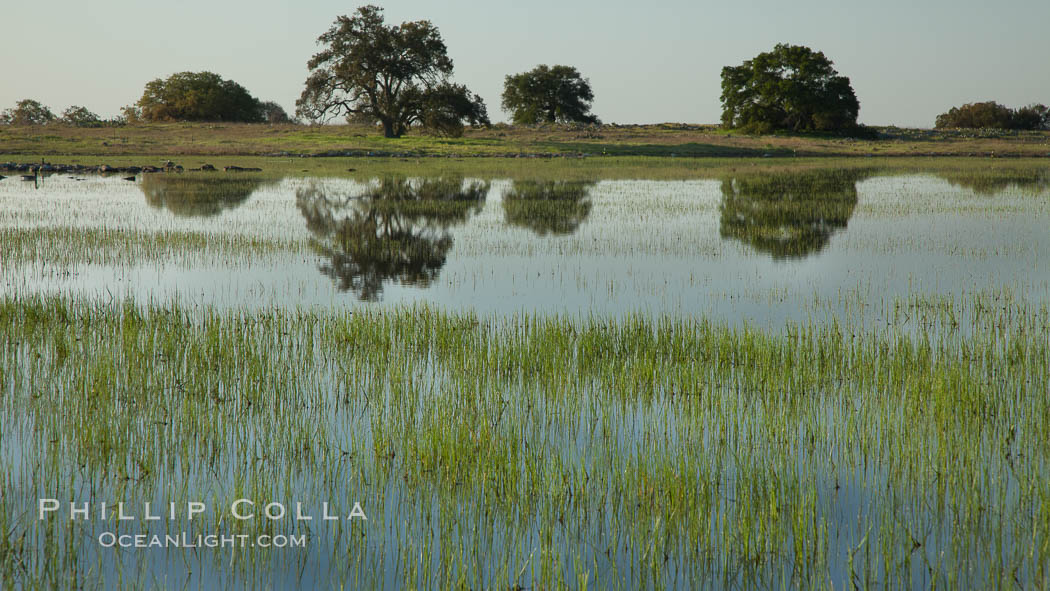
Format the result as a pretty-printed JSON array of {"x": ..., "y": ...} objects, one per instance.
[
  {"x": 537, "y": 451},
  {"x": 220, "y": 140}
]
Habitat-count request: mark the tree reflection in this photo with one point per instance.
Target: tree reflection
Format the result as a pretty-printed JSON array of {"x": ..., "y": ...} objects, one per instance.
[
  {"x": 191, "y": 196},
  {"x": 990, "y": 182},
  {"x": 548, "y": 207},
  {"x": 396, "y": 229},
  {"x": 788, "y": 215}
]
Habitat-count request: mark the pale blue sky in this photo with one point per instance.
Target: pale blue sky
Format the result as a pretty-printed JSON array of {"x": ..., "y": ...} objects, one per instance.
[{"x": 648, "y": 62}]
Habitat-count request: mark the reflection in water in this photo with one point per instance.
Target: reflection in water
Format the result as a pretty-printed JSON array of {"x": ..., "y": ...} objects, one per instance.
[
  {"x": 548, "y": 207},
  {"x": 397, "y": 229},
  {"x": 788, "y": 215},
  {"x": 192, "y": 196},
  {"x": 991, "y": 182}
]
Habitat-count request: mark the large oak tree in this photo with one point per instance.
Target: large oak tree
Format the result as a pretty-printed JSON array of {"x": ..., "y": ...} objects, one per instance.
[
  {"x": 791, "y": 87},
  {"x": 394, "y": 74}
]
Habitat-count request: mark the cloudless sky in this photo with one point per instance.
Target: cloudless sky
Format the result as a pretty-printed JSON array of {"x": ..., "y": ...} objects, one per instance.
[{"x": 648, "y": 61}]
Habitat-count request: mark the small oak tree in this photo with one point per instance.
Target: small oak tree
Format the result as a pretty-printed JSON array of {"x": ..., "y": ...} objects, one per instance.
[
  {"x": 273, "y": 113},
  {"x": 198, "y": 96},
  {"x": 78, "y": 116},
  {"x": 548, "y": 94},
  {"x": 28, "y": 112}
]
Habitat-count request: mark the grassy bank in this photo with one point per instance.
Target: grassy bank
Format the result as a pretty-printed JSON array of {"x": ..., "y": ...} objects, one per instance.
[{"x": 193, "y": 139}]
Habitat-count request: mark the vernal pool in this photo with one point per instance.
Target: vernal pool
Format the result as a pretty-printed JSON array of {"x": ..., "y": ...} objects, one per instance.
[
  {"x": 757, "y": 248},
  {"x": 785, "y": 378}
]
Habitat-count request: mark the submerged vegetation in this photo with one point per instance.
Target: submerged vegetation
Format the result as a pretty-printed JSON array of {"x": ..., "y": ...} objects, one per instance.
[
  {"x": 533, "y": 451},
  {"x": 548, "y": 207}
]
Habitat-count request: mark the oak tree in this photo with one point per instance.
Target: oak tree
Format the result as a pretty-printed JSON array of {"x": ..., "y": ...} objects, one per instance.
[
  {"x": 548, "y": 94},
  {"x": 396, "y": 75},
  {"x": 198, "y": 96},
  {"x": 792, "y": 88},
  {"x": 27, "y": 112}
]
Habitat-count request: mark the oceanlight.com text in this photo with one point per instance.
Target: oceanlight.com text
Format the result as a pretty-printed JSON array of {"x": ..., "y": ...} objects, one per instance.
[{"x": 184, "y": 540}]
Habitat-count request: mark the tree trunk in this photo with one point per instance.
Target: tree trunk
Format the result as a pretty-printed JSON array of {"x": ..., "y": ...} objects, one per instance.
[{"x": 388, "y": 128}]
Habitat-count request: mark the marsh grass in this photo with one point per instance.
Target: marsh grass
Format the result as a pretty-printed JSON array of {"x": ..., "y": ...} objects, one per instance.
[
  {"x": 69, "y": 248},
  {"x": 536, "y": 451}
]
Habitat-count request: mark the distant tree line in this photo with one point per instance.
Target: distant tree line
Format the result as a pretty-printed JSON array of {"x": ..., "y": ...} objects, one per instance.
[
  {"x": 185, "y": 96},
  {"x": 398, "y": 77},
  {"x": 31, "y": 112},
  {"x": 992, "y": 115}
]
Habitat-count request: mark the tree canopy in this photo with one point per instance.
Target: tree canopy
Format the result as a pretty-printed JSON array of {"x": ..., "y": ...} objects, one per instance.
[
  {"x": 198, "y": 96},
  {"x": 27, "y": 112},
  {"x": 78, "y": 116},
  {"x": 992, "y": 115},
  {"x": 396, "y": 75},
  {"x": 273, "y": 113},
  {"x": 548, "y": 94},
  {"x": 792, "y": 88}
]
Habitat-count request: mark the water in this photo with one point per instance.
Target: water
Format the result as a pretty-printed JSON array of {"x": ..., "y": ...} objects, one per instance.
[
  {"x": 761, "y": 250},
  {"x": 869, "y": 249}
]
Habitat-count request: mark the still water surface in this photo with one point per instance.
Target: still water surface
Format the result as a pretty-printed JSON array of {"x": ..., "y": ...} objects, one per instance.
[{"x": 756, "y": 249}]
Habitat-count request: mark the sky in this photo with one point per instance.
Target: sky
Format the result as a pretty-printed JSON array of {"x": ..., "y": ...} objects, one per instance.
[{"x": 648, "y": 62}]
